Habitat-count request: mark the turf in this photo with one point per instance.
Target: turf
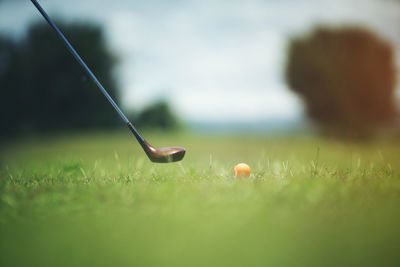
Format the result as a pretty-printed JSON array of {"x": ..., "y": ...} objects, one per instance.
[{"x": 95, "y": 200}]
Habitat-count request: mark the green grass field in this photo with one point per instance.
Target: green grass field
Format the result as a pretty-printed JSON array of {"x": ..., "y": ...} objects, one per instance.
[{"x": 96, "y": 200}]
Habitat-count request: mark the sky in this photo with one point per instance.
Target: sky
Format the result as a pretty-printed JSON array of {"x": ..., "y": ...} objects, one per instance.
[{"x": 214, "y": 60}]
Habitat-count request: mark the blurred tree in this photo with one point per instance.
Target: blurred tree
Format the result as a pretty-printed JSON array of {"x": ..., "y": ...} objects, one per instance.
[
  {"x": 346, "y": 77},
  {"x": 8, "y": 62},
  {"x": 157, "y": 115},
  {"x": 44, "y": 88}
]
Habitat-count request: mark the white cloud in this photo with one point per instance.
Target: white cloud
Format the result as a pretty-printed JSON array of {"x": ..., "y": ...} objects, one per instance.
[{"x": 245, "y": 105}]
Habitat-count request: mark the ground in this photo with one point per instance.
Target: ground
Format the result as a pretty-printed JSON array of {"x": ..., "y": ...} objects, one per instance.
[{"x": 96, "y": 200}]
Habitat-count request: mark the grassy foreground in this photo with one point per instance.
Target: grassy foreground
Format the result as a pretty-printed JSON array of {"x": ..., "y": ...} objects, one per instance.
[{"x": 95, "y": 200}]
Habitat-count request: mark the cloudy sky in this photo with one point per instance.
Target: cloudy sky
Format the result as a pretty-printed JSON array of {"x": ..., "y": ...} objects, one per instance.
[{"x": 213, "y": 60}]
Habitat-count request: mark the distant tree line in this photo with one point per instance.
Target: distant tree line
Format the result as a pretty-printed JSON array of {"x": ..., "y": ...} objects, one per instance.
[
  {"x": 347, "y": 78},
  {"x": 157, "y": 115}
]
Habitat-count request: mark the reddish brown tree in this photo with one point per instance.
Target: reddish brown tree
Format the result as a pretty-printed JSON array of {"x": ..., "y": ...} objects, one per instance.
[{"x": 346, "y": 78}]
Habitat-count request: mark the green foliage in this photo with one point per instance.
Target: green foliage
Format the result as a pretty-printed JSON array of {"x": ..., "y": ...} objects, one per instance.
[
  {"x": 157, "y": 115},
  {"x": 96, "y": 200},
  {"x": 44, "y": 88},
  {"x": 346, "y": 78}
]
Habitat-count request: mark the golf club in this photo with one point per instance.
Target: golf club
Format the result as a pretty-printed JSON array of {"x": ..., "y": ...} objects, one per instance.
[{"x": 160, "y": 155}]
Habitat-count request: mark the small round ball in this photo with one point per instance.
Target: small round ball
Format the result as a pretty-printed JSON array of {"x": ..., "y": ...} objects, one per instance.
[{"x": 242, "y": 170}]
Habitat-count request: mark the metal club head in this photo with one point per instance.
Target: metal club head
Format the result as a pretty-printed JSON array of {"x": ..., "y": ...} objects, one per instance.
[
  {"x": 163, "y": 155},
  {"x": 159, "y": 155}
]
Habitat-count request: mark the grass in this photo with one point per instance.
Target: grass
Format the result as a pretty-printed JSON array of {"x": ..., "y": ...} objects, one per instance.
[{"x": 95, "y": 200}]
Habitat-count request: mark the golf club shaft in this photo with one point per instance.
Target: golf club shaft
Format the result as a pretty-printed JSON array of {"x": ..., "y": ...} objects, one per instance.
[{"x": 83, "y": 64}]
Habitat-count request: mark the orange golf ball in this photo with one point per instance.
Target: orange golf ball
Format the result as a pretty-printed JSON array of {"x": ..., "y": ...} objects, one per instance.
[{"x": 242, "y": 170}]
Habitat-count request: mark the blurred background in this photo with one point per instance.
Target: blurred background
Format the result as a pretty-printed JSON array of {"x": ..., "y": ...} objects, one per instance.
[{"x": 328, "y": 67}]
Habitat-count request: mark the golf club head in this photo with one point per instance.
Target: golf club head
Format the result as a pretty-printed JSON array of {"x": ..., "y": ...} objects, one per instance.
[
  {"x": 159, "y": 155},
  {"x": 164, "y": 155}
]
